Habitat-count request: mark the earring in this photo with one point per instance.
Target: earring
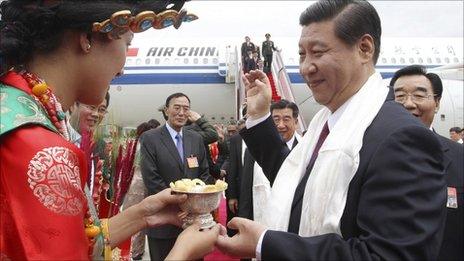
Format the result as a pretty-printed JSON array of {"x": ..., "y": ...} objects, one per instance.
[{"x": 87, "y": 48}]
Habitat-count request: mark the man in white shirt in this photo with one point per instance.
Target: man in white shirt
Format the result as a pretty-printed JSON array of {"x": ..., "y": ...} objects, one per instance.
[{"x": 361, "y": 184}]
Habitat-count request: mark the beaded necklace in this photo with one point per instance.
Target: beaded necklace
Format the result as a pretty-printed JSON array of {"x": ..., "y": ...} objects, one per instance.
[
  {"x": 44, "y": 95},
  {"x": 94, "y": 227}
]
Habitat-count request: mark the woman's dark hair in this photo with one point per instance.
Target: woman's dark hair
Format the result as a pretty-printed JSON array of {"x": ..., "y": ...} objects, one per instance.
[
  {"x": 154, "y": 123},
  {"x": 31, "y": 26},
  {"x": 143, "y": 127},
  {"x": 435, "y": 81},
  {"x": 353, "y": 19}
]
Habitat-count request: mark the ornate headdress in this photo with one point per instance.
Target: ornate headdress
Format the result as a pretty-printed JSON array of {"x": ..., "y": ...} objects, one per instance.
[{"x": 123, "y": 21}]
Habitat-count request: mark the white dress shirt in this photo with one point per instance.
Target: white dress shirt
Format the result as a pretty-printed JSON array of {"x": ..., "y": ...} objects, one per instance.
[{"x": 333, "y": 118}]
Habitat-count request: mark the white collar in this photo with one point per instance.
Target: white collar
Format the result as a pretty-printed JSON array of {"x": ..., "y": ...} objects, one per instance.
[
  {"x": 333, "y": 117},
  {"x": 290, "y": 142}
]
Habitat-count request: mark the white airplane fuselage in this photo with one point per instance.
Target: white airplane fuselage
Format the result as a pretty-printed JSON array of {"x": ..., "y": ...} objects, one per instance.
[{"x": 204, "y": 69}]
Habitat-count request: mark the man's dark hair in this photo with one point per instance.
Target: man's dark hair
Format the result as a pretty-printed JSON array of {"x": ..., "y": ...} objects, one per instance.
[
  {"x": 434, "y": 79},
  {"x": 455, "y": 129},
  {"x": 175, "y": 95},
  {"x": 282, "y": 104},
  {"x": 353, "y": 19}
]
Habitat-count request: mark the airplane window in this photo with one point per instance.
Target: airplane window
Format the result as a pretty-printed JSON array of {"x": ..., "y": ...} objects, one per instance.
[
  {"x": 384, "y": 60},
  {"x": 421, "y": 60},
  {"x": 429, "y": 60},
  {"x": 447, "y": 60},
  {"x": 195, "y": 60},
  {"x": 147, "y": 61},
  {"x": 402, "y": 60},
  {"x": 456, "y": 60},
  {"x": 139, "y": 61},
  {"x": 166, "y": 61},
  {"x": 205, "y": 60},
  {"x": 438, "y": 60},
  {"x": 393, "y": 60},
  {"x": 129, "y": 61},
  {"x": 186, "y": 60},
  {"x": 157, "y": 60},
  {"x": 215, "y": 61},
  {"x": 411, "y": 60},
  {"x": 176, "y": 61}
]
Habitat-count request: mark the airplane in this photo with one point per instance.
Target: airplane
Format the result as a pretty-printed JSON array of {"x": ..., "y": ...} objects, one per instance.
[{"x": 208, "y": 71}]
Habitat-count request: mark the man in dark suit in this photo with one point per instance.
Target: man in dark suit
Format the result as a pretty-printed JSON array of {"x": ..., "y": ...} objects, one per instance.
[
  {"x": 420, "y": 93},
  {"x": 268, "y": 49},
  {"x": 241, "y": 176},
  {"x": 392, "y": 204},
  {"x": 247, "y": 47},
  {"x": 170, "y": 153}
]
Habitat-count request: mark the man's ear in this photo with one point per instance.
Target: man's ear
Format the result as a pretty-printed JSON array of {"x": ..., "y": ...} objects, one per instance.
[{"x": 366, "y": 47}]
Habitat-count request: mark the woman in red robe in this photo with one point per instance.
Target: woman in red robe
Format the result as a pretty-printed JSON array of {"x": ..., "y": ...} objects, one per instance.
[{"x": 54, "y": 53}]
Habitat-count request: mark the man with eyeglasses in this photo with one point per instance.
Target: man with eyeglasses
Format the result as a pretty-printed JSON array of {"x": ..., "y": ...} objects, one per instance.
[
  {"x": 167, "y": 154},
  {"x": 84, "y": 117},
  {"x": 420, "y": 93}
]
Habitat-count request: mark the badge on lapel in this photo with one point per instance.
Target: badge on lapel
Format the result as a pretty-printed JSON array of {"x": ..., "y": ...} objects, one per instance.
[
  {"x": 452, "y": 198},
  {"x": 192, "y": 162}
]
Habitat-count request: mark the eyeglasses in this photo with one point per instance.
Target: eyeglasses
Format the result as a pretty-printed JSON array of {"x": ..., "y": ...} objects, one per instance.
[
  {"x": 100, "y": 110},
  {"x": 416, "y": 97}
]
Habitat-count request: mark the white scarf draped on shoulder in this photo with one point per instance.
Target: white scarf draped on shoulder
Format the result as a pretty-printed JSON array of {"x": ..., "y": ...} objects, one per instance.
[{"x": 338, "y": 160}]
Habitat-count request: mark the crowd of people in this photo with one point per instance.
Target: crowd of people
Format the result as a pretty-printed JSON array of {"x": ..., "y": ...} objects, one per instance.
[
  {"x": 370, "y": 179},
  {"x": 251, "y": 55}
]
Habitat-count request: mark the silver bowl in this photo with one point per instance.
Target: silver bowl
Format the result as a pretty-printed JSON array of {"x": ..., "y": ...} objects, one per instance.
[{"x": 199, "y": 206}]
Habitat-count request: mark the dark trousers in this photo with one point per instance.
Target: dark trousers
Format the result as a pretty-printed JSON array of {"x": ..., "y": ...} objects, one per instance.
[
  {"x": 267, "y": 63},
  {"x": 230, "y": 215},
  {"x": 160, "y": 248}
]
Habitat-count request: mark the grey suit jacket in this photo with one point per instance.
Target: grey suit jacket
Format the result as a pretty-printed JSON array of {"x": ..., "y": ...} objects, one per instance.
[{"x": 161, "y": 164}]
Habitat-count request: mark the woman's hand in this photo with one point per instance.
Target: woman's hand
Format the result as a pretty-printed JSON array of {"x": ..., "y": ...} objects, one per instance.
[
  {"x": 162, "y": 208},
  {"x": 194, "y": 244}
]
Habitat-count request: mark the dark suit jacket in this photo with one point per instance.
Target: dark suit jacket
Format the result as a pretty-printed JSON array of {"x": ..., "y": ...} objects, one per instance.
[
  {"x": 241, "y": 175},
  {"x": 394, "y": 208},
  {"x": 245, "y": 48},
  {"x": 452, "y": 247},
  {"x": 234, "y": 170},
  {"x": 160, "y": 164}
]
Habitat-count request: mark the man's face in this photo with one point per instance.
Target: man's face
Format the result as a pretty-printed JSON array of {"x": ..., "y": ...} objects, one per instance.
[
  {"x": 330, "y": 67},
  {"x": 286, "y": 124},
  {"x": 247, "y": 39},
  {"x": 102, "y": 110},
  {"x": 415, "y": 92},
  {"x": 85, "y": 117},
  {"x": 455, "y": 136},
  {"x": 177, "y": 112},
  {"x": 231, "y": 130}
]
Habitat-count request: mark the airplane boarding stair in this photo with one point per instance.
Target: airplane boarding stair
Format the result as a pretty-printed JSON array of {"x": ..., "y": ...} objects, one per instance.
[{"x": 282, "y": 86}]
